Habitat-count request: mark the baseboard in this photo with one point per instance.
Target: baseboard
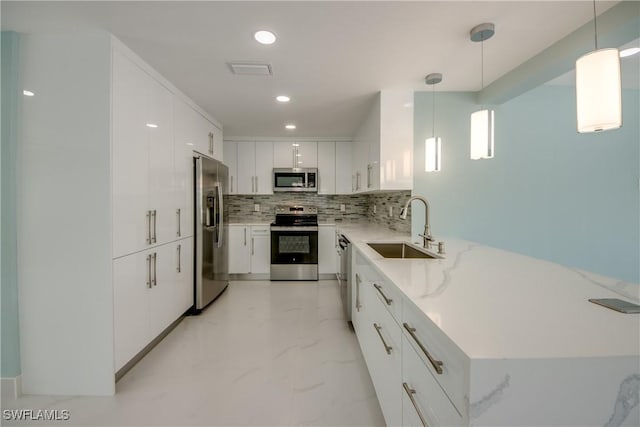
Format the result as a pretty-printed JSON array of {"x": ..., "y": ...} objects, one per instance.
[{"x": 11, "y": 388}]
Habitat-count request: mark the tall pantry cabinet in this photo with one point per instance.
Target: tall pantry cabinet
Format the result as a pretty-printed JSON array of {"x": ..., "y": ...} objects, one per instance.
[{"x": 105, "y": 232}]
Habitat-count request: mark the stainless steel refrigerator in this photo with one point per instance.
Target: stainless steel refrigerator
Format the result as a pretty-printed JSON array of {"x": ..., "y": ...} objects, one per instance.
[{"x": 212, "y": 248}]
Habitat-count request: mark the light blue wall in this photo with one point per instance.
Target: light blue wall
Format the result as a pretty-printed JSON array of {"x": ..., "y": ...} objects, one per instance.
[
  {"x": 11, "y": 94},
  {"x": 549, "y": 192}
]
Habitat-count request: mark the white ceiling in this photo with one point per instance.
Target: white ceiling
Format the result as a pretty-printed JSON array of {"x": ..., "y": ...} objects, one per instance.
[{"x": 330, "y": 57}]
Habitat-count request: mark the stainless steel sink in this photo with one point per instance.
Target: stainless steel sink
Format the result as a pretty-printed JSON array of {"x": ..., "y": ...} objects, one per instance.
[{"x": 400, "y": 250}]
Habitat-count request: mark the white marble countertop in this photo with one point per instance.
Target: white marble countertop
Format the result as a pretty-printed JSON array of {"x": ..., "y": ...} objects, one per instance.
[{"x": 495, "y": 304}]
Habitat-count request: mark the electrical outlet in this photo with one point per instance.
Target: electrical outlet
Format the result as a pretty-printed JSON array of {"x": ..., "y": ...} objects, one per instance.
[
  {"x": 390, "y": 211},
  {"x": 256, "y": 207},
  {"x": 375, "y": 208},
  {"x": 343, "y": 208}
]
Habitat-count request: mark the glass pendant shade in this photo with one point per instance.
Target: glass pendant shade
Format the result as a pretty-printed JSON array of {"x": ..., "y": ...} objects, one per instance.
[
  {"x": 482, "y": 134},
  {"x": 598, "y": 91},
  {"x": 432, "y": 154}
]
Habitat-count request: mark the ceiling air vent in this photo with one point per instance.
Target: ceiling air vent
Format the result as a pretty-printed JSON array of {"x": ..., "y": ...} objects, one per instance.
[{"x": 250, "y": 68}]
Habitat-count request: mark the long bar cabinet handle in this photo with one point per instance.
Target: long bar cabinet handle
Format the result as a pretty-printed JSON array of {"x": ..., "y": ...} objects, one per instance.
[
  {"x": 155, "y": 269},
  {"x": 149, "y": 271},
  {"x": 148, "y": 227},
  {"x": 153, "y": 237},
  {"x": 178, "y": 233},
  {"x": 179, "y": 268},
  {"x": 358, "y": 280},
  {"x": 379, "y": 289},
  {"x": 387, "y": 348},
  {"x": 410, "y": 393},
  {"x": 437, "y": 364}
]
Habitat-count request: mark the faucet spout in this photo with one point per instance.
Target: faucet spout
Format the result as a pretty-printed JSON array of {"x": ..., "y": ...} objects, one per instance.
[{"x": 426, "y": 236}]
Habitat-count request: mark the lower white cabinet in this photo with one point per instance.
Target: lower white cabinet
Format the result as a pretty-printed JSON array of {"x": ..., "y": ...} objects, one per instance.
[
  {"x": 260, "y": 249},
  {"x": 249, "y": 249},
  {"x": 381, "y": 344},
  {"x": 327, "y": 263},
  {"x": 239, "y": 249},
  {"x": 152, "y": 289}
]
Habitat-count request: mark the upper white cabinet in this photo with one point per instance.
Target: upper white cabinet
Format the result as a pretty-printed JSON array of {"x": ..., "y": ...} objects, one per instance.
[
  {"x": 231, "y": 160},
  {"x": 342, "y": 168},
  {"x": 144, "y": 196},
  {"x": 303, "y": 154},
  {"x": 327, "y": 168},
  {"x": 385, "y": 139},
  {"x": 197, "y": 132},
  {"x": 255, "y": 164}
]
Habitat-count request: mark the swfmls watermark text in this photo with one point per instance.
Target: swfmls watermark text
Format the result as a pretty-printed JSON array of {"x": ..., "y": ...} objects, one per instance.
[{"x": 36, "y": 414}]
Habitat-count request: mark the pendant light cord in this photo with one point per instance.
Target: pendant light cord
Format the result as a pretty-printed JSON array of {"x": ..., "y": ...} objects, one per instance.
[
  {"x": 481, "y": 70},
  {"x": 595, "y": 25},
  {"x": 433, "y": 110}
]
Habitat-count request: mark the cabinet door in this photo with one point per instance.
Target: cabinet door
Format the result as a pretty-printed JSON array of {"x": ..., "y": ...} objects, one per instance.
[
  {"x": 161, "y": 193},
  {"x": 360, "y": 165},
  {"x": 164, "y": 281},
  {"x": 183, "y": 143},
  {"x": 231, "y": 160},
  {"x": 343, "y": 168},
  {"x": 381, "y": 342},
  {"x": 327, "y": 250},
  {"x": 327, "y": 167},
  {"x": 131, "y": 290},
  {"x": 284, "y": 155},
  {"x": 182, "y": 298},
  {"x": 130, "y": 177},
  {"x": 239, "y": 249},
  {"x": 263, "y": 167},
  {"x": 307, "y": 154},
  {"x": 246, "y": 167},
  {"x": 260, "y": 250},
  {"x": 218, "y": 145}
]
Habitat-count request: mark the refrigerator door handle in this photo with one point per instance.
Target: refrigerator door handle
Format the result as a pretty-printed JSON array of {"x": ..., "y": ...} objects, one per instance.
[{"x": 220, "y": 215}]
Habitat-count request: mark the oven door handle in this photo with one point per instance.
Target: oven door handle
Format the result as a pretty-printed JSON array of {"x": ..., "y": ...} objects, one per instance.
[{"x": 293, "y": 228}]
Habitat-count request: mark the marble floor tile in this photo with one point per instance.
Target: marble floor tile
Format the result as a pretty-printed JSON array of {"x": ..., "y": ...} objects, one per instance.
[{"x": 263, "y": 354}]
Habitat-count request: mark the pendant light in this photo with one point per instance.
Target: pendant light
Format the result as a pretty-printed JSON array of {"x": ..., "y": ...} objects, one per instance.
[
  {"x": 482, "y": 121},
  {"x": 598, "y": 88},
  {"x": 432, "y": 153}
]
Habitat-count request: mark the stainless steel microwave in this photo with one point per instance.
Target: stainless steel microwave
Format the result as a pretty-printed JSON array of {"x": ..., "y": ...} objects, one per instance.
[{"x": 295, "y": 179}]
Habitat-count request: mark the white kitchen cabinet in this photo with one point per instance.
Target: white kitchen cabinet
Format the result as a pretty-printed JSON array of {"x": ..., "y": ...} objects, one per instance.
[
  {"x": 255, "y": 160},
  {"x": 327, "y": 249},
  {"x": 111, "y": 167},
  {"x": 260, "y": 249},
  {"x": 149, "y": 294},
  {"x": 239, "y": 249},
  {"x": 327, "y": 168},
  {"x": 182, "y": 166},
  {"x": 380, "y": 339},
  {"x": 231, "y": 160},
  {"x": 249, "y": 249},
  {"x": 299, "y": 154},
  {"x": 383, "y": 152},
  {"x": 342, "y": 167}
]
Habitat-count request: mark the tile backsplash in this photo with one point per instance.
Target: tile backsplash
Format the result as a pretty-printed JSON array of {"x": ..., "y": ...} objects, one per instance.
[{"x": 357, "y": 207}]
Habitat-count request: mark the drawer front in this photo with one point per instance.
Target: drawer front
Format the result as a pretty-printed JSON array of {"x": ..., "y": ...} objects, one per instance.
[
  {"x": 388, "y": 295},
  {"x": 423, "y": 400},
  {"x": 446, "y": 362},
  {"x": 260, "y": 230}
]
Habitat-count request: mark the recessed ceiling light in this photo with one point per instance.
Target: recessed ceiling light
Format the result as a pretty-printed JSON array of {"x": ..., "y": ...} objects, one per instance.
[
  {"x": 283, "y": 98},
  {"x": 290, "y": 127},
  {"x": 27, "y": 93},
  {"x": 152, "y": 125},
  {"x": 629, "y": 52},
  {"x": 295, "y": 145},
  {"x": 264, "y": 37}
]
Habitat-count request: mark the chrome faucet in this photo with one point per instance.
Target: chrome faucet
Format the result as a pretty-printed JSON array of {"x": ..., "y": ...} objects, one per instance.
[{"x": 426, "y": 235}]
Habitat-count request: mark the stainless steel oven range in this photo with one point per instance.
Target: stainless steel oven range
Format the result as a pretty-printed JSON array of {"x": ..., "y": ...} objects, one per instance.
[{"x": 294, "y": 243}]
